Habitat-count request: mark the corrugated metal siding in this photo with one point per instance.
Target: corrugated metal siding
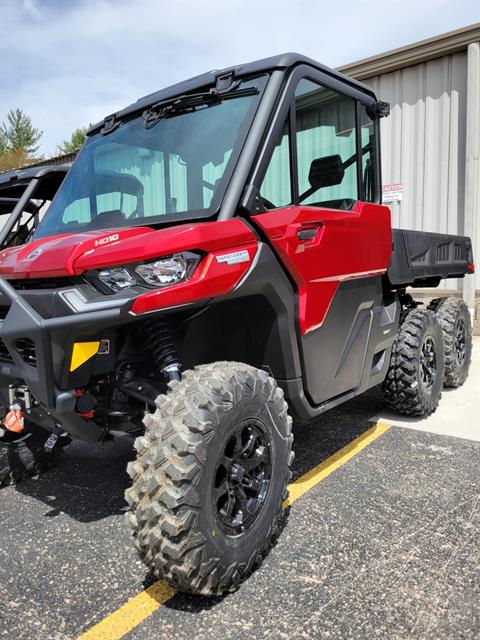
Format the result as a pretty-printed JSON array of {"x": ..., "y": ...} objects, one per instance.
[{"x": 423, "y": 143}]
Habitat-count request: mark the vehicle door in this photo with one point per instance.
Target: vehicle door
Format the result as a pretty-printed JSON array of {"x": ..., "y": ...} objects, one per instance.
[{"x": 322, "y": 218}]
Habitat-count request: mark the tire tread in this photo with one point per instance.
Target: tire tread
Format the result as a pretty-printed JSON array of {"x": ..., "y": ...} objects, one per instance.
[
  {"x": 401, "y": 386},
  {"x": 164, "y": 497},
  {"x": 448, "y": 311}
]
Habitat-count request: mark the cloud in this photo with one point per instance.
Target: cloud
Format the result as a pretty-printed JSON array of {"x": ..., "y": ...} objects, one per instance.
[
  {"x": 30, "y": 9},
  {"x": 68, "y": 63}
]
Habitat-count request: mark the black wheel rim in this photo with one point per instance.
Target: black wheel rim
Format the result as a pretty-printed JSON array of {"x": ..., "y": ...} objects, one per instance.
[
  {"x": 460, "y": 342},
  {"x": 428, "y": 363},
  {"x": 242, "y": 477}
]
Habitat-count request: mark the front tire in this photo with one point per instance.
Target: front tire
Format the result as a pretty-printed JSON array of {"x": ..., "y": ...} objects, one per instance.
[
  {"x": 413, "y": 385},
  {"x": 210, "y": 477}
]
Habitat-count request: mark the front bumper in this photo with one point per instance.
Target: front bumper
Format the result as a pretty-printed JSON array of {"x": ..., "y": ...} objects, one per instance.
[{"x": 51, "y": 341}]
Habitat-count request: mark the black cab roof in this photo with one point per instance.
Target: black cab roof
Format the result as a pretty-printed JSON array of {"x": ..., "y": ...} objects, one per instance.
[
  {"x": 29, "y": 173},
  {"x": 13, "y": 183},
  {"x": 282, "y": 61}
]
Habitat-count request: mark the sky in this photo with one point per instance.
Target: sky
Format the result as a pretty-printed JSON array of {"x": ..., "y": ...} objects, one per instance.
[{"x": 67, "y": 63}]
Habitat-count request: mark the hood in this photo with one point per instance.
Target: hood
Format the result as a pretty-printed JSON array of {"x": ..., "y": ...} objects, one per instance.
[{"x": 72, "y": 254}]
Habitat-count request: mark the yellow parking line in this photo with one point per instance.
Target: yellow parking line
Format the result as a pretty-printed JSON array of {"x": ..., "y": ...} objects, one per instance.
[
  {"x": 331, "y": 464},
  {"x": 132, "y": 613}
]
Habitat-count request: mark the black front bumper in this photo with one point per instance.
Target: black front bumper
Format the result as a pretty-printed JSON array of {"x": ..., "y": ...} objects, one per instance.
[{"x": 22, "y": 322}]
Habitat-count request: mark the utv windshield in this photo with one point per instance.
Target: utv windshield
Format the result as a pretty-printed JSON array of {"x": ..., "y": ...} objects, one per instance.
[{"x": 142, "y": 173}]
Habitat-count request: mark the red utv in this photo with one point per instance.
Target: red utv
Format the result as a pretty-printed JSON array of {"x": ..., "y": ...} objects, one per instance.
[{"x": 216, "y": 261}]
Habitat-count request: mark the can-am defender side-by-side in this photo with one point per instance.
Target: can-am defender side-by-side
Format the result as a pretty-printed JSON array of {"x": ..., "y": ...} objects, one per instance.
[{"x": 216, "y": 261}]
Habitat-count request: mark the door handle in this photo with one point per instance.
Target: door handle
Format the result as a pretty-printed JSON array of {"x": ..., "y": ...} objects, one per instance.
[
  {"x": 309, "y": 231},
  {"x": 307, "y": 234},
  {"x": 302, "y": 232}
]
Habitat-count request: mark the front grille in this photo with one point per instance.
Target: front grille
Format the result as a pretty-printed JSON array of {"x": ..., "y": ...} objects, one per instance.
[
  {"x": 25, "y": 348},
  {"x": 27, "y": 351},
  {"x": 46, "y": 283},
  {"x": 4, "y": 353}
]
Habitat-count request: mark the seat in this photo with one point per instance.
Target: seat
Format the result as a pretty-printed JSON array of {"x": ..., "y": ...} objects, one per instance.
[{"x": 106, "y": 219}]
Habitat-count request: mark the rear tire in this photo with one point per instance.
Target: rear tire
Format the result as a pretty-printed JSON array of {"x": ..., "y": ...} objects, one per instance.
[
  {"x": 454, "y": 318},
  {"x": 435, "y": 304},
  {"x": 210, "y": 477},
  {"x": 24, "y": 455},
  {"x": 414, "y": 381}
]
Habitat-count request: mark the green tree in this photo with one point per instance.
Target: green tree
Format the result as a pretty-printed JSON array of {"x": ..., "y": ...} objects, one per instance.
[
  {"x": 75, "y": 142},
  {"x": 13, "y": 159},
  {"x": 18, "y": 134}
]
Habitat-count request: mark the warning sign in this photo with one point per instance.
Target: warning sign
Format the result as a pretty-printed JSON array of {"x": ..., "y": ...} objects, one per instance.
[{"x": 392, "y": 192}]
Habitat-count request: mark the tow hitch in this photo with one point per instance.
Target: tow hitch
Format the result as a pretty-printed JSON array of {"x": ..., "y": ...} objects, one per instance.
[
  {"x": 20, "y": 405},
  {"x": 20, "y": 401},
  {"x": 14, "y": 420},
  {"x": 20, "y": 393}
]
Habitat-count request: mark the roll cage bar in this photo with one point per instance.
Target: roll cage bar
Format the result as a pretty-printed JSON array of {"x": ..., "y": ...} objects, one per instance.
[{"x": 22, "y": 187}]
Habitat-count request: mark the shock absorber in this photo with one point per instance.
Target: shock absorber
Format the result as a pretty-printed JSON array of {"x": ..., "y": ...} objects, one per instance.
[{"x": 160, "y": 337}]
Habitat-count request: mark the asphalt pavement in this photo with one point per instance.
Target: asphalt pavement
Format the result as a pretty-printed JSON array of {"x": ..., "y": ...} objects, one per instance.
[{"x": 386, "y": 546}]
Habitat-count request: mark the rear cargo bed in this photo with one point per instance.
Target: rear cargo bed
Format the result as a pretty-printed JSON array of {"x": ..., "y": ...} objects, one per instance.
[{"x": 422, "y": 259}]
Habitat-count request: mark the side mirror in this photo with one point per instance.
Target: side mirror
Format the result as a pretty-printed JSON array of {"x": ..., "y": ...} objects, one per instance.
[{"x": 326, "y": 172}]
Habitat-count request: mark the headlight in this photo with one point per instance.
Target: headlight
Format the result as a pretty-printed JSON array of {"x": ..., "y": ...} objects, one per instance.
[
  {"x": 159, "y": 273},
  {"x": 169, "y": 270},
  {"x": 117, "y": 278}
]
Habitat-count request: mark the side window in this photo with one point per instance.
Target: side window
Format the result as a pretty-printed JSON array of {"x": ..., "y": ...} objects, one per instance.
[
  {"x": 276, "y": 190},
  {"x": 368, "y": 155},
  {"x": 326, "y": 147}
]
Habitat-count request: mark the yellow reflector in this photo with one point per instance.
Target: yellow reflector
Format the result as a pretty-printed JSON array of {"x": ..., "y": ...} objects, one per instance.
[{"x": 83, "y": 351}]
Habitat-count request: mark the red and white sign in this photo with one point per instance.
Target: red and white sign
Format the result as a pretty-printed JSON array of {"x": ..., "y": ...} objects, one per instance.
[{"x": 392, "y": 192}]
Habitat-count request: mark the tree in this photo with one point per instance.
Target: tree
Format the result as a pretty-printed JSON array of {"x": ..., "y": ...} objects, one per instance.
[
  {"x": 76, "y": 140},
  {"x": 12, "y": 159},
  {"x": 18, "y": 134}
]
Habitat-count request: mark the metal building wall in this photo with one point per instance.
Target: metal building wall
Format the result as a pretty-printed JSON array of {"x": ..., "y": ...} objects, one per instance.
[{"x": 423, "y": 143}]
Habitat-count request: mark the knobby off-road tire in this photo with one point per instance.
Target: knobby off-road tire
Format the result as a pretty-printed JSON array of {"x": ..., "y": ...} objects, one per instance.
[
  {"x": 454, "y": 318},
  {"x": 220, "y": 426},
  {"x": 414, "y": 381},
  {"x": 435, "y": 304},
  {"x": 24, "y": 455}
]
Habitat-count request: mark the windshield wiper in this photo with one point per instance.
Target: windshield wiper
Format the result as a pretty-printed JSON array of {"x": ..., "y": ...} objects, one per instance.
[{"x": 191, "y": 101}]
